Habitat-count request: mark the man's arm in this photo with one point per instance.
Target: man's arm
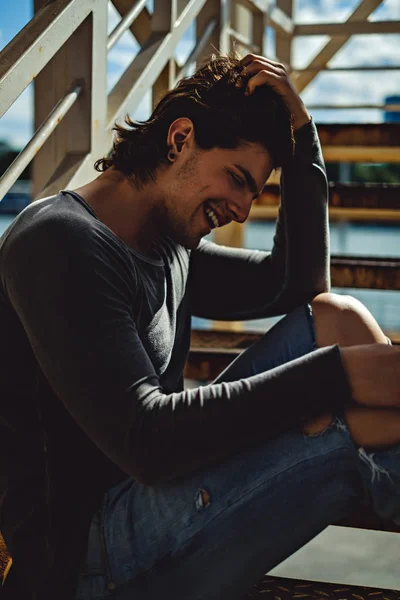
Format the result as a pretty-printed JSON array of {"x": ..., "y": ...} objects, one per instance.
[
  {"x": 231, "y": 283},
  {"x": 73, "y": 291}
]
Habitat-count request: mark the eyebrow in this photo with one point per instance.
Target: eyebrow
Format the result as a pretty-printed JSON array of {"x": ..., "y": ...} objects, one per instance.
[{"x": 251, "y": 184}]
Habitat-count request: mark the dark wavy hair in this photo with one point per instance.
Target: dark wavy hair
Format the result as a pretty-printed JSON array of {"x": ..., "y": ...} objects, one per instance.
[{"x": 222, "y": 115}]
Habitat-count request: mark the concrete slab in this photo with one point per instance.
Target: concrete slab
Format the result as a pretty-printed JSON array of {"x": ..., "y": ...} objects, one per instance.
[{"x": 347, "y": 555}]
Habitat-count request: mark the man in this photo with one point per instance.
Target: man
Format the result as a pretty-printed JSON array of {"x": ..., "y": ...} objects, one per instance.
[{"x": 116, "y": 480}]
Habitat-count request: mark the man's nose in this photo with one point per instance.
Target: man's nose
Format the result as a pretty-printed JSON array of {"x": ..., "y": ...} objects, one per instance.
[{"x": 240, "y": 207}]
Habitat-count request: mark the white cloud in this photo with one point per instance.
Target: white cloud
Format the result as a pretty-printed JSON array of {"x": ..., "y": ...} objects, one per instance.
[
  {"x": 357, "y": 51},
  {"x": 323, "y": 11},
  {"x": 347, "y": 116},
  {"x": 349, "y": 87},
  {"x": 389, "y": 9},
  {"x": 336, "y": 11},
  {"x": 305, "y": 48}
]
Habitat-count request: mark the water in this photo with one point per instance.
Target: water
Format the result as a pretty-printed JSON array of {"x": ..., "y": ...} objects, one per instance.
[
  {"x": 5, "y": 221},
  {"x": 351, "y": 239},
  {"x": 346, "y": 239}
]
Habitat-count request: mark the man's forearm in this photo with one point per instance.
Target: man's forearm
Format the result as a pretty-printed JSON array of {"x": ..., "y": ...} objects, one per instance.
[{"x": 299, "y": 112}]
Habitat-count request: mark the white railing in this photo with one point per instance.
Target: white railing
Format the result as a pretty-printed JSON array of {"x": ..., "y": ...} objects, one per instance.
[{"x": 64, "y": 49}]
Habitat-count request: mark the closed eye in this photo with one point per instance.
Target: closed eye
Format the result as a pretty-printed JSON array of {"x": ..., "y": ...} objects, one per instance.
[{"x": 238, "y": 181}]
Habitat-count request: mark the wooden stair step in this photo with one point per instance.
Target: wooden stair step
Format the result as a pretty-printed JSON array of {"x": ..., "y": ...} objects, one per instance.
[
  {"x": 211, "y": 351},
  {"x": 369, "y": 142},
  {"x": 346, "y": 195},
  {"x": 361, "y": 134},
  {"x": 365, "y": 272}
]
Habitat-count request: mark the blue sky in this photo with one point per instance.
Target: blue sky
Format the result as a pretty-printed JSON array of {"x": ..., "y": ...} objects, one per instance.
[{"x": 327, "y": 88}]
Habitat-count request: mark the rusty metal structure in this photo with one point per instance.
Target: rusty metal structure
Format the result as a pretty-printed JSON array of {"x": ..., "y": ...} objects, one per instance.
[{"x": 64, "y": 50}]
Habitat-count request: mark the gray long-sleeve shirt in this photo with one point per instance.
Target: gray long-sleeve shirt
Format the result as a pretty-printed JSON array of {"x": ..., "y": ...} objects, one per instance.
[{"x": 94, "y": 341}]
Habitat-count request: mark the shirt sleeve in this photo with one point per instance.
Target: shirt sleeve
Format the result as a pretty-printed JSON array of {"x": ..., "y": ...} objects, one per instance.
[
  {"x": 74, "y": 293},
  {"x": 235, "y": 283}
]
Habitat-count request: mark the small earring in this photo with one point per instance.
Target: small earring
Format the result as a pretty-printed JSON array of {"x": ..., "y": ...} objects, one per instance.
[{"x": 171, "y": 155}]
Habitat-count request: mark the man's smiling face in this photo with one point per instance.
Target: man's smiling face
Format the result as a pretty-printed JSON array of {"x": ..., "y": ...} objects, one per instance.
[{"x": 205, "y": 189}]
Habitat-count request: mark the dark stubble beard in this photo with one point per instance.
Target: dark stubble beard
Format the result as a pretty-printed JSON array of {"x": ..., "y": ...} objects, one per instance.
[{"x": 182, "y": 231}]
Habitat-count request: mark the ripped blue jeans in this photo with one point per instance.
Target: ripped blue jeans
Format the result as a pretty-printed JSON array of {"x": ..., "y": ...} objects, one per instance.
[{"x": 217, "y": 533}]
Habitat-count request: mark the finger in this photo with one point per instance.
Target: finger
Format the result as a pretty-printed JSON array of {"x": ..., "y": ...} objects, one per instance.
[
  {"x": 249, "y": 58},
  {"x": 262, "y": 78},
  {"x": 258, "y": 66},
  {"x": 254, "y": 68},
  {"x": 251, "y": 79}
]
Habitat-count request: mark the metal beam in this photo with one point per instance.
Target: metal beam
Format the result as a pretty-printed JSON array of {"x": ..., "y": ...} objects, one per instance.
[
  {"x": 365, "y": 272},
  {"x": 280, "y": 21},
  {"x": 212, "y": 9},
  {"x": 125, "y": 23},
  {"x": 366, "y": 154},
  {"x": 68, "y": 155},
  {"x": 366, "y": 196},
  {"x": 141, "y": 26},
  {"x": 360, "y": 68},
  {"x": 147, "y": 66},
  {"x": 36, "y": 44},
  {"x": 363, "y": 10},
  {"x": 258, "y": 33},
  {"x": 275, "y": 15},
  {"x": 283, "y": 42},
  {"x": 350, "y": 28},
  {"x": 244, "y": 41},
  {"x": 202, "y": 42},
  {"x": 256, "y": 6},
  {"x": 211, "y": 351},
  {"x": 389, "y": 107},
  {"x": 225, "y": 23},
  {"x": 37, "y": 141},
  {"x": 360, "y": 134},
  {"x": 260, "y": 212},
  {"x": 347, "y": 202},
  {"x": 163, "y": 21}
]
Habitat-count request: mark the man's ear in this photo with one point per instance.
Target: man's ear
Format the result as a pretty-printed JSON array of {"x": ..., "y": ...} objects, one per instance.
[{"x": 180, "y": 132}]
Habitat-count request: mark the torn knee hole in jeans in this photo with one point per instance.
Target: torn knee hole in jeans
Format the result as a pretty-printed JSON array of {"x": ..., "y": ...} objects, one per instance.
[
  {"x": 377, "y": 471},
  {"x": 202, "y": 499},
  {"x": 319, "y": 426},
  {"x": 367, "y": 457}
]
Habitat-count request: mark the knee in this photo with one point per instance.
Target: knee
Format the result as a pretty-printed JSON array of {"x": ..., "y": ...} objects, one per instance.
[
  {"x": 336, "y": 306},
  {"x": 344, "y": 320}
]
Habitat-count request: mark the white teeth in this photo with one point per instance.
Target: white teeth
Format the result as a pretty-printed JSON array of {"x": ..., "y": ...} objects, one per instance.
[{"x": 212, "y": 216}]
